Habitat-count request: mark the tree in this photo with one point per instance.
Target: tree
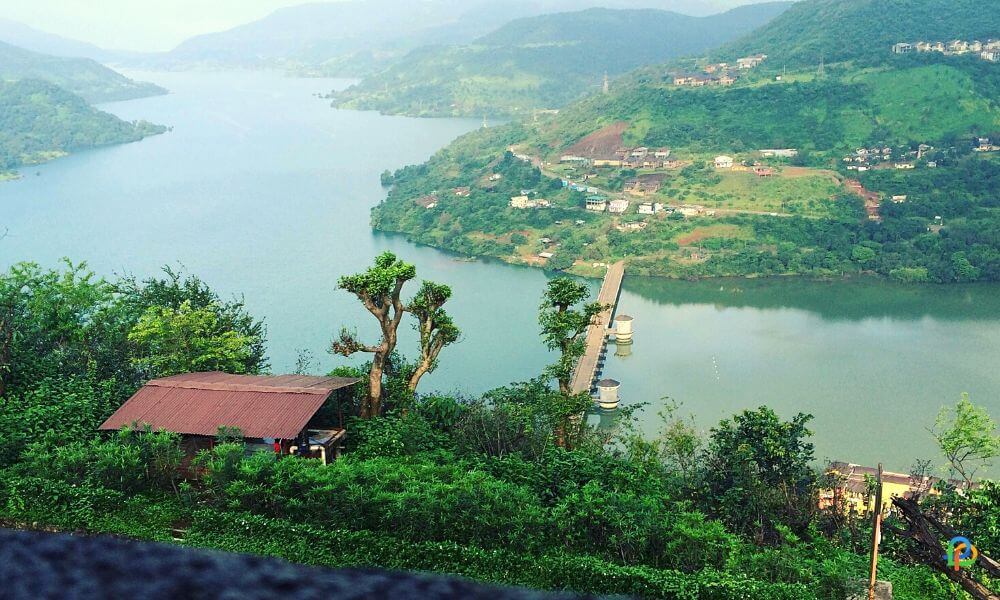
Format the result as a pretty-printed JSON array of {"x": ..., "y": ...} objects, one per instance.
[
  {"x": 47, "y": 323},
  {"x": 135, "y": 298},
  {"x": 758, "y": 473},
  {"x": 564, "y": 327},
  {"x": 379, "y": 289},
  {"x": 679, "y": 443},
  {"x": 967, "y": 436},
  {"x": 169, "y": 341},
  {"x": 863, "y": 255},
  {"x": 434, "y": 325}
]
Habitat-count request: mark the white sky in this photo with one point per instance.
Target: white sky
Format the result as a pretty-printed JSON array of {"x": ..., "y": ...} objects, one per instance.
[{"x": 145, "y": 25}]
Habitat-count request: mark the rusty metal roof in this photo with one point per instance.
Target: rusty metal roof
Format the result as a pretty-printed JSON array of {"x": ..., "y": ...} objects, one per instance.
[{"x": 199, "y": 403}]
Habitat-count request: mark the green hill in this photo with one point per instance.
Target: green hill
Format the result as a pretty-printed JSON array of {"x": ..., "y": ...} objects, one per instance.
[
  {"x": 544, "y": 62},
  {"x": 918, "y": 103},
  {"x": 925, "y": 209},
  {"x": 82, "y": 76},
  {"x": 39, "y": 121},
  {"x": 864, "y": 30}
]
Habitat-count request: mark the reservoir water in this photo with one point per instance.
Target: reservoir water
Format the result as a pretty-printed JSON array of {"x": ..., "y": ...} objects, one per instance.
[{"x": 264, "y": 191}]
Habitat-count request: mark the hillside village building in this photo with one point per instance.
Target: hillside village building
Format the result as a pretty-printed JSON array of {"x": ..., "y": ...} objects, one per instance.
[
  {"x": 701, "y": 80},
  {"x": 632, "y": 158},
  {"x": 723, "y": 162},
  {"x": 988, "y": 50},
  {"x": 618, "y": 206},
  {"x": 597, "y": 203},
  {"x": 750, "y": 62},
  {"x": 853, "y": 492},
  {"x": 523, "y": 202},
  {"x": 271, "y": 412},
  {"x": 779, "y": 152}
]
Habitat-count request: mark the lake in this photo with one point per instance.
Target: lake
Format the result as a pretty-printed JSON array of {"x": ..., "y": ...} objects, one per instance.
[{"x": 264, "y": 191}]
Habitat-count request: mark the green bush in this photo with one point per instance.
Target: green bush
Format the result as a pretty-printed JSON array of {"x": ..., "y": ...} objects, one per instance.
[
  {"x": 37, "y": 502},
  {"x": 338, "y": 548}
]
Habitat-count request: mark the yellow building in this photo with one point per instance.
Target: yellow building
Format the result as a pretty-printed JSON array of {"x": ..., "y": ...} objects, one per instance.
[{"x": 854, "y": 487}]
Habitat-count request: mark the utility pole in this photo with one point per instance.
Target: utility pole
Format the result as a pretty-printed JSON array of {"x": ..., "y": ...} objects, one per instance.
[
  {"x": 822, "y": 66},
  {"x": 607, "y": 83},
  {"x": 876, "y": 534}
]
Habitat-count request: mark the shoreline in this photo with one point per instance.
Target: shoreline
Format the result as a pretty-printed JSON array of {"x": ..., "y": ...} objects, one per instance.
[{"x": 590, "y": 272}]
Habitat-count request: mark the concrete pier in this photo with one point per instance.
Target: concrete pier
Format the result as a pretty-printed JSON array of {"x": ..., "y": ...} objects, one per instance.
[{"x": 588, "y": 369}]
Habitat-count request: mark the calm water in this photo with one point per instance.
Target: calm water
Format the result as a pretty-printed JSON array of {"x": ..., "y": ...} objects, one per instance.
[{"x": 264, "y": 191}]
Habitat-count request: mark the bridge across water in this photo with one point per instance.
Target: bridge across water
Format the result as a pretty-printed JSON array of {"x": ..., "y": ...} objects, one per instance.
[{"x": 587, "y": 370}]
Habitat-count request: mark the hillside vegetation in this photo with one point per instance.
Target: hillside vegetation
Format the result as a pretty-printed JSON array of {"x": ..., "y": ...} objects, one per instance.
[
  {"x": 930, "y": 212},
  {"x": 82, "y": 76},
  {"x": 890, "y": 105},
  {"x": 863, "y": 30},
  {"x": 39, "y": 121},
  {"x": 544, "y": 62}
]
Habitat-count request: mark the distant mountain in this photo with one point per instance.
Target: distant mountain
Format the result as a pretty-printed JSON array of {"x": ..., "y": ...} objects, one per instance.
[
  {"x": 40, "y": 121},
  {"x": 341, "y": 37},
  {"x": 83, "y": 76},
  {"x": 545, "y": 61},
  {"x": 29, "y": 38},
  {"x": 863, "y": 30}
]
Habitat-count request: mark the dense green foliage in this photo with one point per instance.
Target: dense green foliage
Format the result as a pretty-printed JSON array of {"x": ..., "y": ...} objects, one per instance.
[
  {"x": 39, "y": 120},
  {"x": 69, "y": 335},
  {"x": 915, "y": 103},
  {"x": 544, "y": 62},
  {"x": 864, "y": 30},
  {"x": 84, "y": 77},
  {"x": 476, "y": 487}
]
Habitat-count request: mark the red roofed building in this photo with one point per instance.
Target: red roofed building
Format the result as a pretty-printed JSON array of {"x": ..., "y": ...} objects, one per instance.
[{"x": 270, "y": 411}]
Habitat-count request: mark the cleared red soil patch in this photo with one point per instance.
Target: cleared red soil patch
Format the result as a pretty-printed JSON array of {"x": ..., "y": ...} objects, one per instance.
[{"x": 600, "y": 143}]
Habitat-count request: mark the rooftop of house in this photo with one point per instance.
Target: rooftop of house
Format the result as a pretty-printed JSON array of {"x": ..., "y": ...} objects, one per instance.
[{"x": 275, "y": 407}]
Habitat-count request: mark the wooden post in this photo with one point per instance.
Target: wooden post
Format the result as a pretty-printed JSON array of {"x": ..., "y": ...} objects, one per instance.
[{"x": 876, "y": 534}]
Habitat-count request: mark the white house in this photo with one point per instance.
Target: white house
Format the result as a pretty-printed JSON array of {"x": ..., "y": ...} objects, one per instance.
[
  {"x": 779, "y": 152},
  {"x": 597, "y": 204},
  {"x": 723, "y": 162},
  {"x": 749, "y": 62},
  {"x": 618, "y": 206}
]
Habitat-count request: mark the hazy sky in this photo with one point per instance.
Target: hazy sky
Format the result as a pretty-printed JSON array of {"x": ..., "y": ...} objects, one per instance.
[
  {"x": 136, "y": 24},
  {"x": 148, "y": 25}
]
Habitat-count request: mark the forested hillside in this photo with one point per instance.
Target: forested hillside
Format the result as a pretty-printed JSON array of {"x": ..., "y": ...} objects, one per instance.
[
  {"x": 921, "y": 102},
  {"x": 864, "y": 30},
  {"x": 925, "y": 209},
  {"x": 87, "y": 78},
  {"x": 544, "y": 62},
  {"x": 39, "y": 121}
]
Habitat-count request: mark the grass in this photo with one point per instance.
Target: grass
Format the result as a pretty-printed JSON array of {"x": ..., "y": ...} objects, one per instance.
[
  {"x": 926, "y": 103},
  {"x": 797, "y": 190},
  {"x": 722, "y": 231}
]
